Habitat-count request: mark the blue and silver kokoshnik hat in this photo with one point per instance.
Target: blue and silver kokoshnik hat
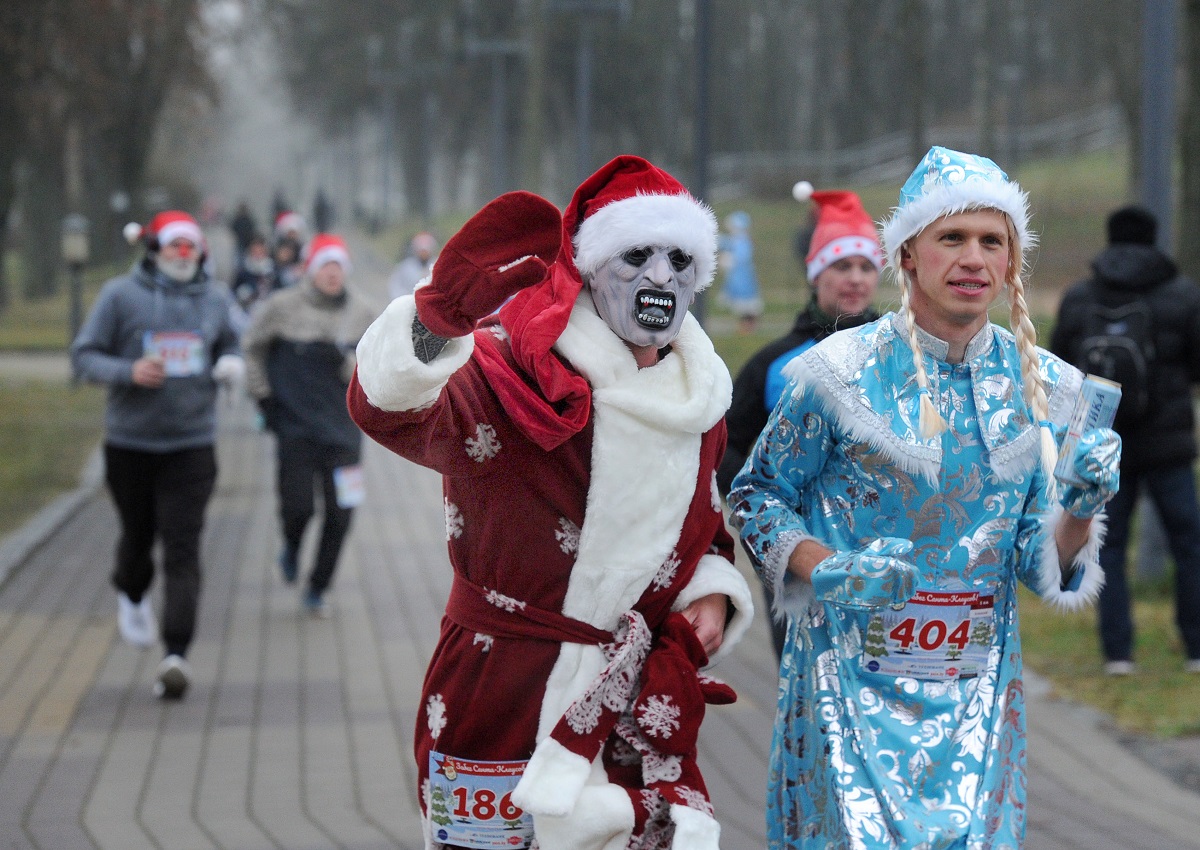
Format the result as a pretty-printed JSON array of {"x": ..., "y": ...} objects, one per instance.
[{"x": 947, "y": 182}]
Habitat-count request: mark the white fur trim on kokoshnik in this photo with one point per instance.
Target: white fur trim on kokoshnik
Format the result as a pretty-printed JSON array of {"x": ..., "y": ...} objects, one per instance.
[
  {"x": 948, "y": 182},
  {"x": 676, "y": 221}
]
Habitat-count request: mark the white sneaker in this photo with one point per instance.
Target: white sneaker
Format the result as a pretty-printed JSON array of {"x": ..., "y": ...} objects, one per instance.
[
  {"x": 1119, "y": 668},
  {"x": 136, "y": 621},
  {"x": 173, "y": 677}
]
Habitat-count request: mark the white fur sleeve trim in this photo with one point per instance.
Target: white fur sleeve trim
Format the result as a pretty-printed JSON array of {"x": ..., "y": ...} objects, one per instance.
[
  {"x": 1087, "y": 560},
  {"x": 714, "y": 574},
  {"x": 552, "y": 781},
  {"x": 388, "y": 370},
  {"x": 694, "y": 830}
]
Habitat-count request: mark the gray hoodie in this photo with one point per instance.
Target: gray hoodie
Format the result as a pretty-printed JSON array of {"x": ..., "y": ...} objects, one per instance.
[{"x": 189, "y": 323}]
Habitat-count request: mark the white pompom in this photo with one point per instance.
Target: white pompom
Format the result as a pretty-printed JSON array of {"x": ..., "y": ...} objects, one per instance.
[
  {"x": 802, "y": 191},
  {"x": 132, "y": 232}
]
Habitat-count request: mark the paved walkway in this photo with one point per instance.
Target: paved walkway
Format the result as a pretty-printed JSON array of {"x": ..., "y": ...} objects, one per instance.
[{"x": 297, "y": 732}]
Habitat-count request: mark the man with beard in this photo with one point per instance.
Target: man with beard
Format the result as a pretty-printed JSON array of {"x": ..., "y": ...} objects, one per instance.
[
  {"x": 161, "y": 337},
  {"x": 578, "y": 433}
]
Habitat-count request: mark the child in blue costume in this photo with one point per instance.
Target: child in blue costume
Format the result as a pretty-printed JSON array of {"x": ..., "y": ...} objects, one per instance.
[
  {"x": 905, "y": 478},
  {"x": 740, "y": 291}
]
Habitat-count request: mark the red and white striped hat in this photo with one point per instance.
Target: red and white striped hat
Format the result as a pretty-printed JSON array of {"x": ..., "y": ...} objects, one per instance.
[
  {"x": 326, "y": 248},
  {"x": 165, "y": 228},
  {"x": 843, "y": 229}
]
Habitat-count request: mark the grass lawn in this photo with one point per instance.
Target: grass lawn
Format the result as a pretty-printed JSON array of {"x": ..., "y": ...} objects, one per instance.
[
  {"x": 1160, "y": 699},
  {"x": 47, "y": 432}
]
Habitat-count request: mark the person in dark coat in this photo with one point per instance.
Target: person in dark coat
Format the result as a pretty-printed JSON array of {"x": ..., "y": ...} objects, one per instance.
[
  {"x": 843, "y": 264},
  {"x": 1159, "y": 437}
]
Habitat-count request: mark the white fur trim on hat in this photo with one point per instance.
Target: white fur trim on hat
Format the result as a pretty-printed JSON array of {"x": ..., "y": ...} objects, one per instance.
[
  {"x": 842, "y": 247},
  {"x": 330, "y": 254},
  {"x": 947, "y": 199},
  {"x": 677, "y": 221},
  {"x": 180, "y": 229}
]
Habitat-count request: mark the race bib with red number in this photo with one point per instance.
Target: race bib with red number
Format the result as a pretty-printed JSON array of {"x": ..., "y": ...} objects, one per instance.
[
  {"x": 935, "y": 635},
  {"x": 470, "y": 803},
  {"x": 181, "y": 352}
]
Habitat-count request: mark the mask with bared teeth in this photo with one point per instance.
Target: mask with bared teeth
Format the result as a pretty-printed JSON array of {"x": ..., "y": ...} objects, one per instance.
[{"x": 644, "y": 293}]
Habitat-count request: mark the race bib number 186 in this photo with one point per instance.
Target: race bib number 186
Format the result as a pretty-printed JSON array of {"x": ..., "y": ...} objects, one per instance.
[{"x": 470, "y": 803}]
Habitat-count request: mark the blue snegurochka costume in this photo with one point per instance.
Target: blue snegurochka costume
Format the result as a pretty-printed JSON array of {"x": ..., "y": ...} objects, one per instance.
[{"x": 904, "y": 726}]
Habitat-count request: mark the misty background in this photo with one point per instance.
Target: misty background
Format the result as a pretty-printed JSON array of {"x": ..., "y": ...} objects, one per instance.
[{"x": 404, "y": 110}]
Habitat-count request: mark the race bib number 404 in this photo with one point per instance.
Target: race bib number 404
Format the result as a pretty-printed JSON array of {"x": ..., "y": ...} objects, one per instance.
[
  {"x": 934, "y": 636},
  {"x": 470, "y": 803}
]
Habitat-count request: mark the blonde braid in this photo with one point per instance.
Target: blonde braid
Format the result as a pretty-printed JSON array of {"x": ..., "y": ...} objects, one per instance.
[
  {"x": 1033, "y": 388},
  {"x": 931, "y": 422}
]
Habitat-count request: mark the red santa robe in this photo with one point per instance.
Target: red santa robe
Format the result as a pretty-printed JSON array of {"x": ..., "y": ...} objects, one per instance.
[{"x": 619, "y": 515}]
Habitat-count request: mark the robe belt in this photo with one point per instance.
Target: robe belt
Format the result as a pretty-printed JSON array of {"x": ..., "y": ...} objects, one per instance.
[
  {"x": 481, "y": 610},
  {"x": 617, "y": 702}
]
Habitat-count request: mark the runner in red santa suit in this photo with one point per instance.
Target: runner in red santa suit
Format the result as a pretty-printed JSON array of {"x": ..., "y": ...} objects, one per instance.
[{"x": 578, "y": 430}]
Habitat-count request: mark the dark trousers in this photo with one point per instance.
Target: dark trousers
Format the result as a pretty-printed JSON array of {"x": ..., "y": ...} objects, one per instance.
[
  {"x": 1173, "y": 491},
  {"x": 302, "y": 464},
  {"x": 162, "y": 496}
]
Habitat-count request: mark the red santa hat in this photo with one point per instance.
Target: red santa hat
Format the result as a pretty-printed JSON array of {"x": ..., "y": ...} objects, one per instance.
[
  {"x": 288, "y": 221},
  {"x": 630, "y": 203},
  {"x": 843, "y": 229},
  {"x": 626, "y": 204},
  {"x": 326, "y": 248},
  {"x": 164, "y": 229}
]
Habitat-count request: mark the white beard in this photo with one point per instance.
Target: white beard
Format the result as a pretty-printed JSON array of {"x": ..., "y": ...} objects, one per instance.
[{"x": 180, "y": 271}]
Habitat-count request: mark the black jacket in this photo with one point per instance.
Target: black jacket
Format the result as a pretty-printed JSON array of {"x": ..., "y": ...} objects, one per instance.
[
  {"x": 748, "y": 413},
  {"x": 1123, "y": 273}
]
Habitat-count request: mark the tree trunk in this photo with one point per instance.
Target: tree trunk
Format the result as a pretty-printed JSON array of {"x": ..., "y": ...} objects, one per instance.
[{"x": 43, "y": 208}]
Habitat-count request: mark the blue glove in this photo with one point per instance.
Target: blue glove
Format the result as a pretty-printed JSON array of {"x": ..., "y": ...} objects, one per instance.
[
  {"x": 1097, "y": 461},
  {"x": 871, "y": 577}
]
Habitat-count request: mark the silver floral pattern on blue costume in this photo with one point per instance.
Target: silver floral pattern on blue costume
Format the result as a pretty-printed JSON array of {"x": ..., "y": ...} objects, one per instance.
[{"x": 904, "y": 727}]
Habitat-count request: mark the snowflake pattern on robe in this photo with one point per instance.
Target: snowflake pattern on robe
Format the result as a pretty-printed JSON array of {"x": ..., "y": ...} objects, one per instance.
[
  {"x": 506, "y": 602},
  {"x": 659, "y": 716},
  {"x": 454, "y": 521},
  {"x": 666, "y": 572},
  {"x": 485, "y": 445},
  {"x": 486, "y": 640},
  {"x": 435, "y": 710},
  {"x": 617, "y": 684},
  {"x": 567, "y": 535},
  {"x": 497, "y": 330},
  {"x": 695, "y": 799}
]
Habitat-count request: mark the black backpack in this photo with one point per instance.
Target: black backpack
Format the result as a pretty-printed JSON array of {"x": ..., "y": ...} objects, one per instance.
[{"x": 1118, "y": 344}]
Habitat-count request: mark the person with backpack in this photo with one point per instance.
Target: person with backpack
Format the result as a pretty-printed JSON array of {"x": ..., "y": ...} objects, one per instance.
[{"x": 1136, "y": 321}]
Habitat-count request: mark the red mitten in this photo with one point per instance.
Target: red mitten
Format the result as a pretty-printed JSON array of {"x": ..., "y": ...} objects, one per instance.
[
  {"x": 502, "y": 249},
  {"x": 670, "y": 706}
]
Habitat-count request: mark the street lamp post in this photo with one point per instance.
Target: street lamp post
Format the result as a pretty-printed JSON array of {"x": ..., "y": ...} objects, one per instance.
[{"x": 75, "y": 252}]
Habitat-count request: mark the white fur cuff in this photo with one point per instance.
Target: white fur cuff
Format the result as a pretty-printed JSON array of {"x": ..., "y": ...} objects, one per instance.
[
  {"x": 390, "y": 373},
  {"x": 694, "y": 830},
  {"x": 716, "y": 575},
  {"x": 553, "y": 780},
  {"x": 1087, "y": 560}
]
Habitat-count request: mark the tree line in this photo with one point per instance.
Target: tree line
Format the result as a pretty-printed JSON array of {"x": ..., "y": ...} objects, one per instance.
[{"x": 84, "y": 85}]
